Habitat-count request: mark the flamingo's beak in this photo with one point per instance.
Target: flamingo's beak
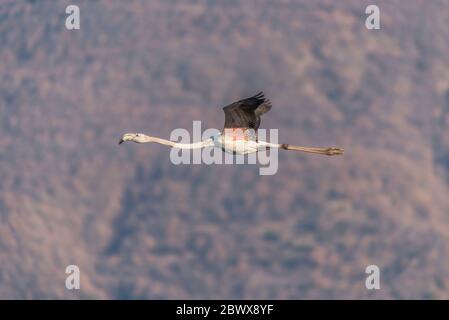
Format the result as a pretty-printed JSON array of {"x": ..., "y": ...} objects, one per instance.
[{"x": 121, "y": 141}]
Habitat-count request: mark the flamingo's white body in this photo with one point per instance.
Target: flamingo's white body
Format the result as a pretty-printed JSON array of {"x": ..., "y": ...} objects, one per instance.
[
  {"x": 242, "y": 119},
  {"x": 239, "y": 146}
]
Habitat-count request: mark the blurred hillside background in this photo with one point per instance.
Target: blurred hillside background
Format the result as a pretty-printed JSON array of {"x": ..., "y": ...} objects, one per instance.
[{"x": 141, "y": 227}]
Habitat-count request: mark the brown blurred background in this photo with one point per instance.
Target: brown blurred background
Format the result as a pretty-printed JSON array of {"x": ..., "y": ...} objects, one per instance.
[{"x": 140, "y": 227}]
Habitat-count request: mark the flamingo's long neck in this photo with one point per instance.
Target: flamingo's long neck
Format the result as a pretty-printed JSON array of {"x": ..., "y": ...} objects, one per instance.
[
  {"x": 169, "y": 143},
  {"x": 159, "y": 140}
]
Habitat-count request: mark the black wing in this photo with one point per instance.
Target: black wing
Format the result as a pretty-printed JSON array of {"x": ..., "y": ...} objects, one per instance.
[{"x": 246, "y": 113}]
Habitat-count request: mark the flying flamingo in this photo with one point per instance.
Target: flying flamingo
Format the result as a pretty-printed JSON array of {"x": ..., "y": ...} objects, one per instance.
[{"x": 242, "y": 119}]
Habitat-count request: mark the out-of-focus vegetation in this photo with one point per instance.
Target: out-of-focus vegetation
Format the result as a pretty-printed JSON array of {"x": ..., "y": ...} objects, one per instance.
[{"x": 140, "y": 227}]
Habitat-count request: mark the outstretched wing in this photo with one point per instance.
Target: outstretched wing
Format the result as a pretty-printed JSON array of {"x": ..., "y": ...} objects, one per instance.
[{"x": 246, "y": 113}]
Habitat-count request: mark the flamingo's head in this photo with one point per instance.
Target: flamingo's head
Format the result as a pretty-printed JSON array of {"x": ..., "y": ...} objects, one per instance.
[{"x": 135, "y": 137}]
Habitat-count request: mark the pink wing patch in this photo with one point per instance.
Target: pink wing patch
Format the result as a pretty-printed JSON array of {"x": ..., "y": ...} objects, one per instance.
[{"x": 239, "y": 134}]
